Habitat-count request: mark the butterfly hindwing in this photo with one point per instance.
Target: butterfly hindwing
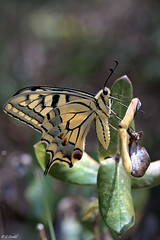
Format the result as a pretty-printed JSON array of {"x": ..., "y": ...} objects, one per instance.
[
  {"x": 65, "y": 129},
  {"x": 102, "y": 130}
]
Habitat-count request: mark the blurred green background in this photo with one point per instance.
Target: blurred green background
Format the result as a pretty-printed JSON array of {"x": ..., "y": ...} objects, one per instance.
[{"x": 73, "y": 44}]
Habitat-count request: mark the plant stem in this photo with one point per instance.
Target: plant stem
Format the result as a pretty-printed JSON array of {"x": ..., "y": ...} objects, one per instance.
[
  {"x": 51, "y": 229},
  {"x": 48, "y": 214}
]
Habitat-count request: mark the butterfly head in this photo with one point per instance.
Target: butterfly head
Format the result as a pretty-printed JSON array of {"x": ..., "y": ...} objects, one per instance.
[
  {"x": 106, "y": 91},
  {"x": 104, "y": 95}
]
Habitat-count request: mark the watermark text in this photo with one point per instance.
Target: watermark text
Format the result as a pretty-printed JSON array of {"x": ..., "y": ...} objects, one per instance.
[{"x": 9, "y": 236}]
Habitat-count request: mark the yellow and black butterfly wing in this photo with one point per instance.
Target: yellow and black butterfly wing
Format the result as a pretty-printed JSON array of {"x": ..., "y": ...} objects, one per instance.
[
  {"x": 63, "y": 116},
  {"x": 65, "y": 129},
  {"x": 30, "y": 105}
]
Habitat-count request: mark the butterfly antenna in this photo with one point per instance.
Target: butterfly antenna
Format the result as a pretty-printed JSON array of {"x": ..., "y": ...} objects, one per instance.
[{"x": 111, "y": 72}]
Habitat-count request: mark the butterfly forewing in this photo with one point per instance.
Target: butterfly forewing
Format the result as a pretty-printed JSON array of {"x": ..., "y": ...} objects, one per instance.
[{"x": 30, "y": 105}]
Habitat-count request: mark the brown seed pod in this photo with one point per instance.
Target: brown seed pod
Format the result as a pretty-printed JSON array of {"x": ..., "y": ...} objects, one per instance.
[{"x": 140, "y": 159}]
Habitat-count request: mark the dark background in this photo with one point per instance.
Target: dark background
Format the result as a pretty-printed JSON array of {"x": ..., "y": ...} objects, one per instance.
[{"x": 73, "y": 44}]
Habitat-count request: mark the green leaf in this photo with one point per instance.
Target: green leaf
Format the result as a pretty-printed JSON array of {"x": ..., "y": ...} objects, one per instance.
[
  {"x": 114, "y": 194},
  {"x": 150, "y": 179},
  {"x": 121, "y": 87},
  {"x": 83, "y": 172}
]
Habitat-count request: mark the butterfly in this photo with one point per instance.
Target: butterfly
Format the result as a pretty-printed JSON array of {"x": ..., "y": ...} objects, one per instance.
[{"x": 63, "y": 116}]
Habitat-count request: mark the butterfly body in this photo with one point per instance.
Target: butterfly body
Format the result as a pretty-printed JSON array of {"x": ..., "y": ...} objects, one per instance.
[{"x": 63, "y": 116}]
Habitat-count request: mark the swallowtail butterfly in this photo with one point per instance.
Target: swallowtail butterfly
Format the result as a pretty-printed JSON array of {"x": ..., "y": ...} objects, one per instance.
[{"x": 63, "y": 116}]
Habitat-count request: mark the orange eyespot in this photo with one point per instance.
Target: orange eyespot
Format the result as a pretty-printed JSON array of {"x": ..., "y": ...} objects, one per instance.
[{"x": 77, "y": 154}]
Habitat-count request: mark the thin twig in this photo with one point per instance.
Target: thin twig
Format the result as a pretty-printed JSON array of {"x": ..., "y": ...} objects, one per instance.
[
  {"x": 95, "y": 227},
  {"x": 41, "y": 231}
]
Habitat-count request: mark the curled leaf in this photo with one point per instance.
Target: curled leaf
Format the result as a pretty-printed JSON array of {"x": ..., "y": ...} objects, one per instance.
[
  {"x": 124, "y": 150},
  {"x": 132, "y": 109}
]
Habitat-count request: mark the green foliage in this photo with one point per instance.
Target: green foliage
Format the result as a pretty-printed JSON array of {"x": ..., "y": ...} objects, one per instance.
[{"x": 114, "y": 193}]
